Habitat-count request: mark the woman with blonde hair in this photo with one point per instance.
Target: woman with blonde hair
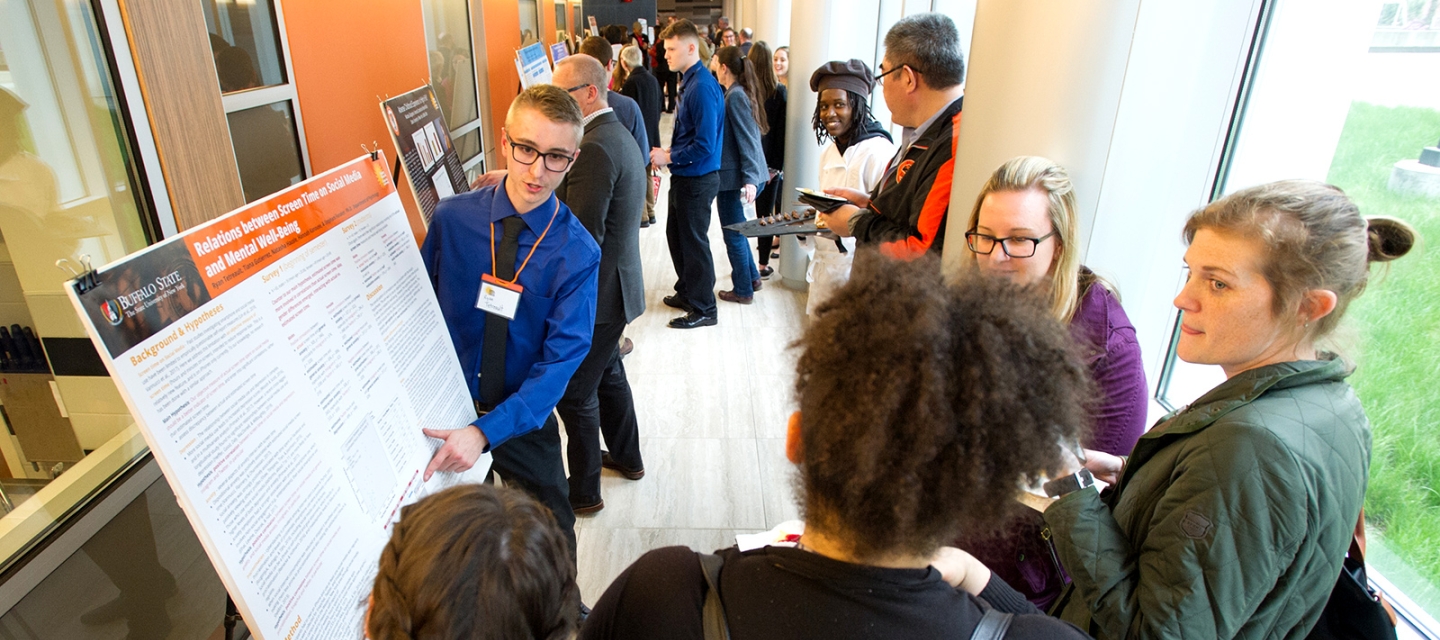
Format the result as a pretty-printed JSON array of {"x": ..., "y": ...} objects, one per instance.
[
  {"x": 1232, "y": 516},
  {"x": 1025, "y": 227}
]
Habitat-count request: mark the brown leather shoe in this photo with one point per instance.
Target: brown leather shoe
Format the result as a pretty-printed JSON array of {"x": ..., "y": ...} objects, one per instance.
[
  {"x": 609, "y": 463},
  {"x": 587, "y": 509},
  {"x": 729, "y": 296}
]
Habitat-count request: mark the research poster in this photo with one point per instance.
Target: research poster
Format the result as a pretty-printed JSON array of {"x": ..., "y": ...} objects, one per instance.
[
  {"x": 559, "y": 51},
  {"x": 281, "y": 361},
  {"x": 427, "y": 154},
  {"x": 534, "y": 65}
]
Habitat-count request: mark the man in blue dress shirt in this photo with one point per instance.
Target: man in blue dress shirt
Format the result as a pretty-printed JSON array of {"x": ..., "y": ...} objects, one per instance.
[
  {"x": 694, "y": 161},
  {"x": 544, "y": 323}
]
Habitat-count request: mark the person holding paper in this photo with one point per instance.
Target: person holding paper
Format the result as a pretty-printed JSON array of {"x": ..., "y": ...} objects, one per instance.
[
  {"x": 855, "y": 158},
  {"x": 520, "y": 307},
  {"x": 920, "y": 76},
  {"x": 606, "y": 190}
]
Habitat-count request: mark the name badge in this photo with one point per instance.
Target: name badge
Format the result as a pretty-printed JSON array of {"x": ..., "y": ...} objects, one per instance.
[{"x": 498, "y": 297}]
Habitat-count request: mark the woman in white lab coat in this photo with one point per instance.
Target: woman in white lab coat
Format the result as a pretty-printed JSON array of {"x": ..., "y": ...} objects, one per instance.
[{"x": 856, "y": 156}]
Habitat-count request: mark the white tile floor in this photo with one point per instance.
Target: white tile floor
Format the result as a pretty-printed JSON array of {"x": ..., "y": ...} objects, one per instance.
[{"x": 712, "y": 404}]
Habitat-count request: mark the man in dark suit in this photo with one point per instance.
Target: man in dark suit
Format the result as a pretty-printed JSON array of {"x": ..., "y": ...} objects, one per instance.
[
  {"x": 644, "y": 89},
  {"x": 626, "y": 111},
  {"x": 605, "y": 188}
]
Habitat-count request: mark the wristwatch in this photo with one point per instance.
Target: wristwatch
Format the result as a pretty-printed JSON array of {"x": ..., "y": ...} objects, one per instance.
[{"x": 1069, "y": 484}]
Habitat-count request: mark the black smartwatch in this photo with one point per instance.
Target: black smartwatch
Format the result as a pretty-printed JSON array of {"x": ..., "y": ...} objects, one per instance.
[{"x": 1069, "y": 484}]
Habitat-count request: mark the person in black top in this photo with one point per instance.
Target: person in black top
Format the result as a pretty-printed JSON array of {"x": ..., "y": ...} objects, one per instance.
[
  {"x": 772, "y": 142},
  {"x": 923, "y": 409},
  {"x": 644, "y": 89}
]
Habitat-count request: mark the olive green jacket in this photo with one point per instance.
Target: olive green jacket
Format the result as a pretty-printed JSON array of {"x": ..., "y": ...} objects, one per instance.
[{"x": 1232, "y": 516}]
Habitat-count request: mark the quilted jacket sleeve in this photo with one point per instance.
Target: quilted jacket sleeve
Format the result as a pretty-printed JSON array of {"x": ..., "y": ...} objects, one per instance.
[{"x": 1223, "y": 530}]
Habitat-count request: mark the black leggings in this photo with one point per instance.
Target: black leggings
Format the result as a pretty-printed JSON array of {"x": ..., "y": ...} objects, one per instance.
[{"x": 767, "y": 203}]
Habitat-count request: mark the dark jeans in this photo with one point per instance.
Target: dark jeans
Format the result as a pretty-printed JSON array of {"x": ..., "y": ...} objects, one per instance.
[
  {"x": 672, "y": 93},
  {"x": 596, "y": 402},
  {"x": 687, "y": 229},
  {"x": 743, "y": 273},
  {"x": 767, "y": 203},
  {"x": 531, "y": 463}
]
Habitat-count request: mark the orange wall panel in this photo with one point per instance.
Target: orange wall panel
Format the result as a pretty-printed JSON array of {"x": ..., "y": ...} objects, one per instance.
[
  {"x": 346, "y": 55},
  {"x": 502, "y": 38}
]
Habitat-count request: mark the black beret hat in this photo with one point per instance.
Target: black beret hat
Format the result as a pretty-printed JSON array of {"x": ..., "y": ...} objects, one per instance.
[{"x": 852, "y": 75}]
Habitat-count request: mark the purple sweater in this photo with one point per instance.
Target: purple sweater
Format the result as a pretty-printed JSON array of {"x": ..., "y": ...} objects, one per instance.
[{"x": 1018, "y": 554}]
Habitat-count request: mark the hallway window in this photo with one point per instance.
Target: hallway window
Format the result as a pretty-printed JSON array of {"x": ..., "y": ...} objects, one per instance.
[
  {"x": 453, "y": 76},
  {"x": 247, "y": 40},
  {"x": 71, "y": 190}
]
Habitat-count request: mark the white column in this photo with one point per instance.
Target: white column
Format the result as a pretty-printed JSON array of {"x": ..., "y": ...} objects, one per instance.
[
  {"x": 822, "y": 30},
  {"x": 771, "y": 22},
  {"x": 1044, "y": 80}
]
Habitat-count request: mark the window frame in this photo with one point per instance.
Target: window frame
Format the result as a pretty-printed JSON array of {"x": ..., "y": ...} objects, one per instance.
[{"x": 268, "y": 95}]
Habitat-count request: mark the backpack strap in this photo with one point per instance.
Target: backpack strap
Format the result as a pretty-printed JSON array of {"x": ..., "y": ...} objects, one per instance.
[
  {"x": 712, "y": 617},
  {"x": 993, "y": 625}
]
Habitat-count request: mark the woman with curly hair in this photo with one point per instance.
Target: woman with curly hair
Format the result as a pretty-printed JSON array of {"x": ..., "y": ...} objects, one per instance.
[
  {"x": 923, "y": 409},
  {"x": 1231, "y": 517},
  {"x": 475, "y": 561}
]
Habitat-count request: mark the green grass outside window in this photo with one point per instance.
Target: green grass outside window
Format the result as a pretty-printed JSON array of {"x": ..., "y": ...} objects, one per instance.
[{"x": 1393, "y": 334}]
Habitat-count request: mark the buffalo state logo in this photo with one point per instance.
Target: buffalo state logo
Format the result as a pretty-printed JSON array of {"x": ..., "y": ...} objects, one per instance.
[
  {"x": 111, "y": 310},
  {"x": 903, "y": 169}
]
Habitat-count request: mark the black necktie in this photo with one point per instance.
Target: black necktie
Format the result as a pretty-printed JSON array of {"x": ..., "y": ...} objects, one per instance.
[{"x": 492, "y": 353}]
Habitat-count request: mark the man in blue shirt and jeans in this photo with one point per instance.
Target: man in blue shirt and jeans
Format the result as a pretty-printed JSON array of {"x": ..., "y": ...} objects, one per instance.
[
  {"x": 694, "y": 161},
  {"x": 515, "y": 274}
]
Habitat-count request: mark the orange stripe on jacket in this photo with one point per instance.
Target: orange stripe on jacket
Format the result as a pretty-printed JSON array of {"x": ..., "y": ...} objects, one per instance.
[{"x": 932, "y": 213}]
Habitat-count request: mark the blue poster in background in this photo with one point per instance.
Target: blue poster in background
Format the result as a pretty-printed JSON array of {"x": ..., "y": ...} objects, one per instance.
[
  {"x": 534, "y": 65},
  {"x": 559, "y": 51}
]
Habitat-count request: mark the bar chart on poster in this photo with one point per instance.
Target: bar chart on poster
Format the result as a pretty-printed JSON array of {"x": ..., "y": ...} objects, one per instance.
[{"x": 281, "y": 361}]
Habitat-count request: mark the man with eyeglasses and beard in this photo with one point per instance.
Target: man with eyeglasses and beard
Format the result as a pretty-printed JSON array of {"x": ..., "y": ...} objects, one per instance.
[{"x": 515, "y": 273}]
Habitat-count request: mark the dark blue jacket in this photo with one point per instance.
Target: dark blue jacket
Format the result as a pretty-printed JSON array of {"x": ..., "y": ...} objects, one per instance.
[
  {"x": 699, "y": 124},
  {"x": 628, "y": 113}
]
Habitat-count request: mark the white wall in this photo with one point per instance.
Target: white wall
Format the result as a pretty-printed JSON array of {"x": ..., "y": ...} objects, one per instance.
[{"x": 1045, "y": 80}]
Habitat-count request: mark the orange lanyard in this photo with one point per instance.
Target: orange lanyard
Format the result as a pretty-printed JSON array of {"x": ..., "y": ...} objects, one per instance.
[{"x": 532, "y": 247}]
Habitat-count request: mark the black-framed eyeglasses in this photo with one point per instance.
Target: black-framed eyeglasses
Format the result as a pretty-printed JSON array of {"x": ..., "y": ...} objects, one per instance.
[
  {"x": 1013, "y": 246},
  {"x": 892, "y": 70},
  {"x": 578, "y": 87},
  {"x": 526, "y": 155}
]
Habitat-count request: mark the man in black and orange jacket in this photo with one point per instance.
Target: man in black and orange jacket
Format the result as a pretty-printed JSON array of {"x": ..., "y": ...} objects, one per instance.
[{"x": 920, "y": 76}]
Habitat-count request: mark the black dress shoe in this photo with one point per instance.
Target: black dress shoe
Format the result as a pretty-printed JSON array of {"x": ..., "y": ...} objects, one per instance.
[
  {"x": 610, "y": 463},
  {"x": 692, "y": 320},
  {"x": 644, "y": 222},
  {"x": 676, "y": 302}
]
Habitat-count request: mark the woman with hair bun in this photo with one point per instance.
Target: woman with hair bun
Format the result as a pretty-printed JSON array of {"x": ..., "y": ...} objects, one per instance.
[
  {"x": 1232, "y": 516},
  {"x": 896, "y": 452},
  {"x": 475, "y": 561}
]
